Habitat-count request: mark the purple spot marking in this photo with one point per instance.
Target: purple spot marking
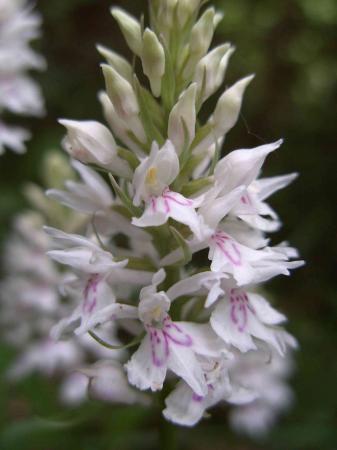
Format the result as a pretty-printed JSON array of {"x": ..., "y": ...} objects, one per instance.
[
  {"x": 90, "y": 293},
  {"x": 239, "y": 308},
  {"x": 197, "y": 398},
  {"x": 228, "y": 247},
  {"x": 169, "y": 195},
  {"x": 167, "y": 205},
  {"x": 160, "y": 341},
  {"x": 154, "y": 204},
  {"x": 246, "y": 199}
]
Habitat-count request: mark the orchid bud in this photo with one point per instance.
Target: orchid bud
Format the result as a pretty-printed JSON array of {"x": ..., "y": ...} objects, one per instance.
[
  {"x": 201, "y": 37},
  {"x": 120, "y": 128},
  {"x": 120, "y": 93},
  {"x": 164, "y": 11},
  {"x": 228, "y": 107},
  {"x": 120, "y": 64},
  {"x": 92, "y": 143},
  {"x": 182, "y": 119},
  {"x": 186, "y": 9},
  {"x": 130, "y": 28},
  {"x": 153, "y": 60},
  {"x": 211, "y": 69},
  {"x": 202, "y": 32}
]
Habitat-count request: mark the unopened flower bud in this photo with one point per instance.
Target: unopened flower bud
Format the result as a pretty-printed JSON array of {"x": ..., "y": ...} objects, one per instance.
[
  {"x": 186, "y": 8},
  {"x": 120, "y": 93},
  {"x": 120, "y": 64},
  {"x": 228, "y": 107},
  {"x": 164, "y": 11},
  {"x": 56, "y": 170},
  {"x": 92, "y": 143},
  {"x": 201, "y": 38},
  {"x": 153, "y": 60},
  {"x": 182, "y": 119},
  {"x": 202, "y": 32},
  {"x": 211, "y": 69},
  {"x": 120, "y": 128},
  {"x": 130, "y": 28}
]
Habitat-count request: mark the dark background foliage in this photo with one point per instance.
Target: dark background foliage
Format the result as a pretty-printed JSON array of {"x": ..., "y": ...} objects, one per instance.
[{"x": 291, "y": 46}]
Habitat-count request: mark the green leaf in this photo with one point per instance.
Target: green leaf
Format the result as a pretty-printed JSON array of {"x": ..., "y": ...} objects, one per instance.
[
  {"x": 147, "y": 114},
  {"x": 183, "y": 245},
  {"x": 216, "y": 157},
  {"x": 101, "y": 243},
  {"x": 140, "y": 264},
  {"x": 140, "y": 144},
  {"x": 186, "y": 172},
  {"x": 201, "y": 134},
  {"x": 168, "y": 88},
  {"x": 128, "y": 156},
  {"x": 195, "y": 186},
  {"x": 186, "y": 148},
  {"x": 124, "y": 198}
]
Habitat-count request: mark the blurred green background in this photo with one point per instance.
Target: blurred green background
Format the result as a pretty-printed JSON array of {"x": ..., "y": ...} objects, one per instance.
[{"x": 291, "y": 45}]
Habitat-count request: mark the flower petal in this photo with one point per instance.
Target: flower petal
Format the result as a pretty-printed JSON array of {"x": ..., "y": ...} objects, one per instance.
[
  {"x": 142, "y": 372},
  {"x": 183, "y": 362}
]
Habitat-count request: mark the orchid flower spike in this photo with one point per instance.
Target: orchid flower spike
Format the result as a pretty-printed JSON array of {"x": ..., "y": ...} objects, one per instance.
[{"x": 130, "y": 267}]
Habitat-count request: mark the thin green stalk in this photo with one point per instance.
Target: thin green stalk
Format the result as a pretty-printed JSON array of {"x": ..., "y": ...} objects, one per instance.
[
  {"x": 167, "y": 435},
  {"x": 167, "y": 431}
]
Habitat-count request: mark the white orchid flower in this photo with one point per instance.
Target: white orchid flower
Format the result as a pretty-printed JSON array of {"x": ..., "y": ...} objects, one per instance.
[
  {"x": 96, "y": 305},
  {"x": 46, "y": 357},
  {"x": 13, "y": 138},
  {"x": 265, "y": 374},
  {"x": 242, "y": 167},
  {"x": 151, "y": 185},
  {"x": 109, "y": 383},
  {"x": 185, "y": 407},
  {"x": 240, "y": 317},
  {"x": 19, "y": 93},
  {"x": 81, "y": 253},
  {"x": 90, "y": 196},
  {"x": 169, "y": 345}
]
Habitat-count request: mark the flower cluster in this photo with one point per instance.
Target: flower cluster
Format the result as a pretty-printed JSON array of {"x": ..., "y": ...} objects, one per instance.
[
  {"x": 173, "y": 254},
  {"x": 19, "y": 93},
  {"x": 31, "y": 302}
]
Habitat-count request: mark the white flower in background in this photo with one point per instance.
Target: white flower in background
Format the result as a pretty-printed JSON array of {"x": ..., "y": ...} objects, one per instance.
[
  {"x": 30, "y": 306},
  {"x": 89, "y": 196},
  {"x": 185, "y": 407},
  {"x": 93, "y": 265},
  {"x": 19, "y": 93},
  {"x": 266, "y": 375},
  {"x": 109, "y": 383},
  {"x": 13, "y": 138},
  {"x": 48, "y": 357},
  {"x": 81, "y": 253}
]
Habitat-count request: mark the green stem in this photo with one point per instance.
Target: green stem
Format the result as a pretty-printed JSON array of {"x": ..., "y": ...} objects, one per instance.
[
  {"x": 167, "y": 435},
  {"x": 101, "y": 341}
]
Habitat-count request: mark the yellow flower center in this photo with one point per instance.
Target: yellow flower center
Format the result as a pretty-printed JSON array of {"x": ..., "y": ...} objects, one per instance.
[
  {"x": 156, "y": 314},
  {"x": 151, "y": 177}
]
